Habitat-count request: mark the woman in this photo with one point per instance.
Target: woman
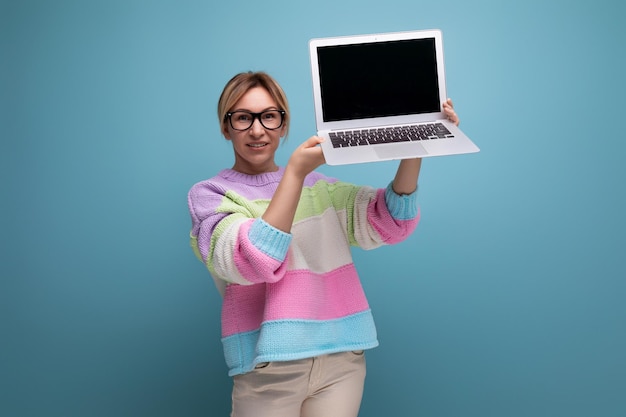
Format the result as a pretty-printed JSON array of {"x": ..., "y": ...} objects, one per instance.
[{"x": 276, "y": 240}]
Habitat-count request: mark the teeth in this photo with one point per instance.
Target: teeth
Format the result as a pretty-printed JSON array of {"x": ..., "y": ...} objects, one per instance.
[{"x": 256, "y": 145}]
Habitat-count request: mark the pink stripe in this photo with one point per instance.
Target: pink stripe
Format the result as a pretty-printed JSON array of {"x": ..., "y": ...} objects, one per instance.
[
  {"x": 253, "y": 264},
  {"x": 390, "y": 230},
  {"x": 242, "y": 308},
  {"x": 300, "y": 295}
]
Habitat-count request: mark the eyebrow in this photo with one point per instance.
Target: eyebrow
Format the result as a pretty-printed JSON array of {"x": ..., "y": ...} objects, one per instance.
[{"x": 250, "y": 111}]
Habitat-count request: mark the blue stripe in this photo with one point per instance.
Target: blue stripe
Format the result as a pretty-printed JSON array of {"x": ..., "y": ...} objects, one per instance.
[
  {"x": 285, "y": 340},
  {"x": 401, "y": 207},
  {"x": 270, "y": 240}
]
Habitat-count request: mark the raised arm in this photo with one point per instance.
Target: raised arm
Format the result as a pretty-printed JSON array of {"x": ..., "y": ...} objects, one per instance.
[
  {"x": 282, "y": 208},
  {"x": 405, "y": 181}
]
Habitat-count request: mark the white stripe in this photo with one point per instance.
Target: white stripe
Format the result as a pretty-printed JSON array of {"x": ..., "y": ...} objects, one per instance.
[
  {"x": 365, "y": 235},
  {"x": 223, "y": 262},
  {"x": 329, "y": 249}
]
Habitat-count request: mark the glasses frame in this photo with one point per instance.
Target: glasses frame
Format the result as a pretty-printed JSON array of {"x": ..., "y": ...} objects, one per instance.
[{"x": 255, "y": 116}]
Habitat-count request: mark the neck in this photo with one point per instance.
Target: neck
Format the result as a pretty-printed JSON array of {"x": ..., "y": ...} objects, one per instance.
[{"x": 255, "y": 170}]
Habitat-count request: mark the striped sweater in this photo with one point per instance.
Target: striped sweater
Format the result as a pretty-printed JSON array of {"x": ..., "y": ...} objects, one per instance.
[{"x": 289, "y": 296}]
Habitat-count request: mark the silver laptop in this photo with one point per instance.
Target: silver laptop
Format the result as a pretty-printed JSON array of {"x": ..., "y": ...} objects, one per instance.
[{"x": 379, "y": 97}]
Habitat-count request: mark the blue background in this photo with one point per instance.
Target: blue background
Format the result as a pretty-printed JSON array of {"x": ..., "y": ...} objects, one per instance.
[{"x": 507, "y": 301}]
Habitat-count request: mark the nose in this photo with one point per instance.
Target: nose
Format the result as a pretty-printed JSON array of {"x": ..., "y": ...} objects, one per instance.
[{"x": 257, "y": 127}]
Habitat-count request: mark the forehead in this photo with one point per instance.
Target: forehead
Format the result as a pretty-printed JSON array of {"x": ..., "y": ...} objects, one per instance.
[{"x": 255, "y": 99}]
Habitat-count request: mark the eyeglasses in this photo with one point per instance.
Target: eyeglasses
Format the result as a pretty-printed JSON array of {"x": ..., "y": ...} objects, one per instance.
[{"x": 243, "y": 120}]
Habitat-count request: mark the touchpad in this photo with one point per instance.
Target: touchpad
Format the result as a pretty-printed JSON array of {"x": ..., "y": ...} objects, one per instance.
[{"x": 400, "y": 150}]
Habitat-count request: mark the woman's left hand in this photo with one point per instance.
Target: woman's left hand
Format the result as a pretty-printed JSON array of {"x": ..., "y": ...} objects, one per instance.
[{"x": 448, "y": 109}]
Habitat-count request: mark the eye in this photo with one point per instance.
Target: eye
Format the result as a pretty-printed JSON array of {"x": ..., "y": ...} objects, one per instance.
[
  {"x": 270, "y": 115},
  {"x": 242, "y": 117}
]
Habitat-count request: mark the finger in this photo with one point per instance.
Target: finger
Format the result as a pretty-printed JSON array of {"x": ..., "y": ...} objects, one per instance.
[
  {"x": 312, "y": 141},
  {"x": 448, "y": 108},
  {"x": 454, "y": 119},
  {"x": 450, "y": 114}
]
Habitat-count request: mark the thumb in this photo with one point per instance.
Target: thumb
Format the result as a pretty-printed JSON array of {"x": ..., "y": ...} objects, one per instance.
[{"x": 312, "y": 141}]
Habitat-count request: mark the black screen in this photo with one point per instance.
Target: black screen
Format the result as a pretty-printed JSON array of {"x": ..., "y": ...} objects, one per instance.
[{"x": 378, "y": 79}]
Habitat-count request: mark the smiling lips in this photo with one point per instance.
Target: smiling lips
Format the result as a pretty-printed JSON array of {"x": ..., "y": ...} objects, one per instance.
[{"x": 257, "y": 145}]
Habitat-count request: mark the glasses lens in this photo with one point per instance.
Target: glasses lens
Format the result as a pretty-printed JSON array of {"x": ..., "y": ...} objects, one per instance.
[
  {"x": 241, "y": 120},
  {"x": 270, "y": 119}
]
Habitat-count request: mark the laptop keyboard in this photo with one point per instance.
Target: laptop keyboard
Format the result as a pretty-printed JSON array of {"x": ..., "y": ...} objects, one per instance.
[{"x": 428, "y": 131}]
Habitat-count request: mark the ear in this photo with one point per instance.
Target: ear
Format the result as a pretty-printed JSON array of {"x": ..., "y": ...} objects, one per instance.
[{"x": 225, "y": 132}]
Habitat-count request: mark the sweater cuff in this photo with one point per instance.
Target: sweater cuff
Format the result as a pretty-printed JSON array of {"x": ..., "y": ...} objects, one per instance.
[
  {"x": 401, "y": 207},
  {"x": 269, "y": 240}
]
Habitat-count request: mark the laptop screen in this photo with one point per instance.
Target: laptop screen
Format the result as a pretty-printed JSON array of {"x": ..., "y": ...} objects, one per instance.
[{"x": 393, "y": 78}]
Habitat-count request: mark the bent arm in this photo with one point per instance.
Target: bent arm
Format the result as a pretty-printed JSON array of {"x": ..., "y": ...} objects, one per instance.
[
  {"x": 405, "y": 181},
  {"x": 282, "y": 208}
]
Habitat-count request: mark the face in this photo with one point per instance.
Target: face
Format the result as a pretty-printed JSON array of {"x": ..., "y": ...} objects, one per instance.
[{"x": 255, "y": 147}]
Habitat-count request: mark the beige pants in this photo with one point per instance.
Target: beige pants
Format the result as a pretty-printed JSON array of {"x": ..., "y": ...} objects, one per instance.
[{"x": 327, "y": 385}]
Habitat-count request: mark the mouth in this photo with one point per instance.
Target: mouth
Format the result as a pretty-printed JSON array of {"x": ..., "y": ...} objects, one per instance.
[{"x": 257, "y": 145}]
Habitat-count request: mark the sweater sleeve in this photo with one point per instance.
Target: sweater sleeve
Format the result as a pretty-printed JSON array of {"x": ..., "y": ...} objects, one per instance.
[
  {"x": 378, "y": 217},
  {"x": 231, "y": 239}
]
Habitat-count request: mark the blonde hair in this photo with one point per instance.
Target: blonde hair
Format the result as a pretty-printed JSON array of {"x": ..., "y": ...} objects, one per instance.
[{"x": 240, "y": 84}]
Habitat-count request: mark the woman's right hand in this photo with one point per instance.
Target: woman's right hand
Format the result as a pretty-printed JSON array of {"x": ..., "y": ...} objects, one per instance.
[{"x": 306, "y": 157}]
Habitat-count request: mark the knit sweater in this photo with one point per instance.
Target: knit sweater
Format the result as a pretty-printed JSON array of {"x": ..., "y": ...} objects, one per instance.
[{"x": 289, "y": 296}]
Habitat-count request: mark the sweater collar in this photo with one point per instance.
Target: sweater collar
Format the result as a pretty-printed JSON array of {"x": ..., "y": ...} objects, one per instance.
[{"x": 258, "y": 179}]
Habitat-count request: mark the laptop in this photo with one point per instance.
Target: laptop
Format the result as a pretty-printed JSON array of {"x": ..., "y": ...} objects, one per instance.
[{"x": 379, "y": 97}]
